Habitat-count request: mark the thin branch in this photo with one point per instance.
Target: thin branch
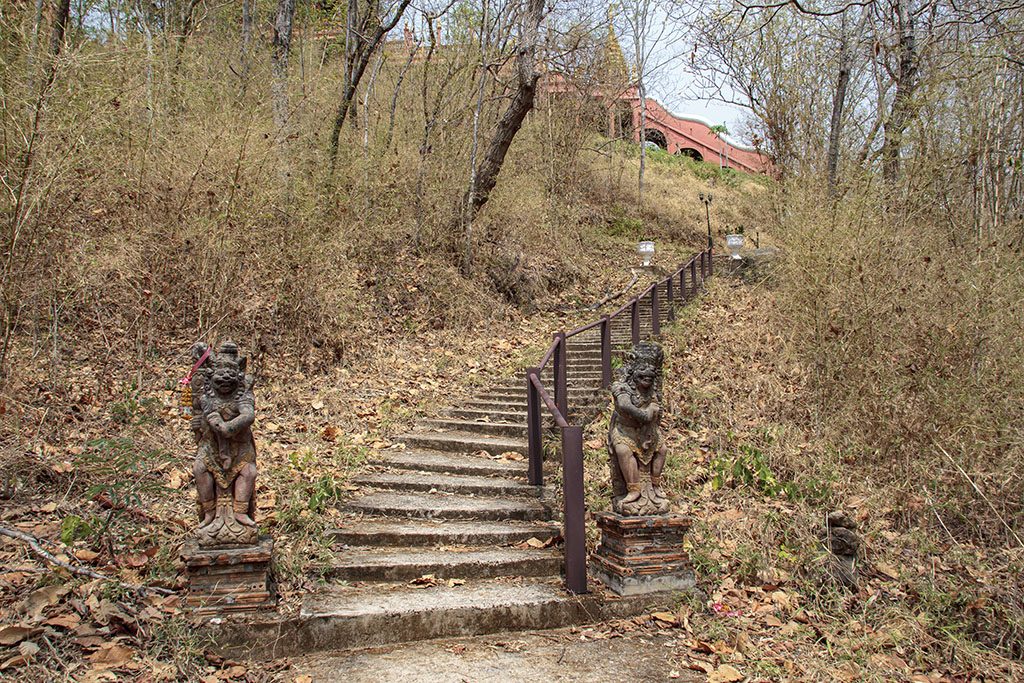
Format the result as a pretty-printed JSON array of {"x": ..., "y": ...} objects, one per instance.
[
  {"x": 804, "y": 10},
  {"x": 980, "y": 493},
  {"x": 37, "y": 549}
]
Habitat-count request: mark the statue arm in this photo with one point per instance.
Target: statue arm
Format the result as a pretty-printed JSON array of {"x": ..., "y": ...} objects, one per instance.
[
  {"x": 246, "y": 416},
  {"x": 624, "y": 404}
]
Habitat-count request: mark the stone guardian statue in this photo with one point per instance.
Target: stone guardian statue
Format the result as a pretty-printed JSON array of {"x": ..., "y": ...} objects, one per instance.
[
  {"x": 636, "y": 450},
  {"x": 223, "y": 409}
]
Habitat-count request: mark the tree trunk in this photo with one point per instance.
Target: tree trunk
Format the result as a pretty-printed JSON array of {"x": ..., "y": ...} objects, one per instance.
[
  {"x": 839, "y": 99},
  {"x": 246, "y": 37},
  {"x": 467, "y": 259},
  {"x": 37, "y": 22},
  {"x": 643, "y": 146},
  {"x": 280, "y": 47},
  {"x": 60, "y": 25},
  {"x": 900, "y": 114},
  {"x": 522, "y": 102},
  {"x": 358, "y": 51},
  {"x": 394, "y": 96}
]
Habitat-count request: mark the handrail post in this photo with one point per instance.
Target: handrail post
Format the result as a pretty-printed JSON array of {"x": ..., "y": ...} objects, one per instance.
[
  {"x": 556, "y": 360},
  {"x": 562, "y": 397},
  {"x": 606, "y": 352},
  {"x": 634, "y": 315},
  {"x": 535, "y": 466},
  {"x": 573, "y": 510},
  {"x": 669, "y": 314},
  {"x": 655, "y": 311},
  {"x": 703, "y": 266},
  {"x": 693, "y": 277},
  {"x": 682, "y": 283}
]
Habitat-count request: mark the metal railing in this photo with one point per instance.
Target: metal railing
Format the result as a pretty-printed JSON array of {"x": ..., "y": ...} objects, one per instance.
[{"x": 574, "y": 512}]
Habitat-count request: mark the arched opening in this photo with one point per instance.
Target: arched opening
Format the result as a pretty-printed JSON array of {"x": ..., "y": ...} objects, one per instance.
[
  {"x": 657, "y": 137},
  {"x": 692, "y": 153}
]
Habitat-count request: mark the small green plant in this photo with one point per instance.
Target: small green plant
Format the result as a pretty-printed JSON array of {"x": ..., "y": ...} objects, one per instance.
[
  {"x": 622, "y": 225},
  {"x": 749, "y": 467},
  {"x": 122, "y": 473},
  {"x": 73, "y": 528},
  {"x": 323, "y": 492},
  {"x": 131, "y": 409},
  {"x": 302, "y": 460}
]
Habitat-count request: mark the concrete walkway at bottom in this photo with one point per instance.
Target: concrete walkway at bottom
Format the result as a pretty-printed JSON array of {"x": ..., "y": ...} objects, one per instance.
[{"x": 577, "y": 654}]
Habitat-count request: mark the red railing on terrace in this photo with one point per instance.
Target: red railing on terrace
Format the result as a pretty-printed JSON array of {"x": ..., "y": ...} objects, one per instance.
[{"x": 574, "y": 512}]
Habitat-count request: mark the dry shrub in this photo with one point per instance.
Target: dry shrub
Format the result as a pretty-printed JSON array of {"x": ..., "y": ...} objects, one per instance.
[
  {"x": 158, "y": 202},
  {"x": 911, "y": 340}
]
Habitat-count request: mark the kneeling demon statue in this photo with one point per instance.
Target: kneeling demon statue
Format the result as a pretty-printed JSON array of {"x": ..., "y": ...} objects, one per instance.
[
  {"x": 634, "y": 444},
  {"x": 223, "y": 411}
]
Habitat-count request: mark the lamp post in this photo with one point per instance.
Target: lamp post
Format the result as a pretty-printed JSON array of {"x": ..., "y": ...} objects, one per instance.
[{"x": 707, "y": 213}]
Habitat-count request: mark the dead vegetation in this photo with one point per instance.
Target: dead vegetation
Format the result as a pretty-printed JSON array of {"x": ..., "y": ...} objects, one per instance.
[{"x": 759, "y": 474}]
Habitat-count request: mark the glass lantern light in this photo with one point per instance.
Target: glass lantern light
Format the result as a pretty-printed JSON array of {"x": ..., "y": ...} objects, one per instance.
[{"x": 646, "y": 250}]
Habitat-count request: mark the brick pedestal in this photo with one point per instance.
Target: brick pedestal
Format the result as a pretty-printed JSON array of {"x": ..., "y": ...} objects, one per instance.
[
  {"x": 641, "y": 555},
  {"x": 229, "y": 579}
]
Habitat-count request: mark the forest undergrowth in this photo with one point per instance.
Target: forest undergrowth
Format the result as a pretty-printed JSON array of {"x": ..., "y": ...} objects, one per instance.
[{"x": 759, "y": 472}]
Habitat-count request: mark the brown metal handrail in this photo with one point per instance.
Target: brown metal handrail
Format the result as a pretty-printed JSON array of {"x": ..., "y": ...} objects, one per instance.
[{"x": 574, "y": 512}]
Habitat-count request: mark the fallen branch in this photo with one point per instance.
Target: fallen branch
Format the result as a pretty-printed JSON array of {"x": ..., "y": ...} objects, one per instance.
[
  {"x": 37, "y": 549},
  {"x": 602, "y": 302},
  {"x": 144, "y": 515}
]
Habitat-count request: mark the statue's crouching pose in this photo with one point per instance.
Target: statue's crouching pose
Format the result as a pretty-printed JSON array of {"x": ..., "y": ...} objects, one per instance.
[
  {"x": 225, "y": 464},
  {"x": 634, "y": 443}
]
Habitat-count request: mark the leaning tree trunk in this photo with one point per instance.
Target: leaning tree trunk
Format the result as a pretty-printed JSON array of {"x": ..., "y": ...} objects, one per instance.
[
  {"x": 512, "y": 120},
  {"x": 358, "y": 52}
]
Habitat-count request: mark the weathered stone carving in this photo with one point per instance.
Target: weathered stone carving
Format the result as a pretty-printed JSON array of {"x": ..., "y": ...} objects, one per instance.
[
  {"x": 840, "y": 538},
  {"x": 223, "y": 411},
  {"x": 637, "y": 452}
]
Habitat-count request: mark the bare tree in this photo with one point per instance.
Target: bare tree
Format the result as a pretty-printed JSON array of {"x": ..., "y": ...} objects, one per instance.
[
  {"x": 365, "y": 28},
  {"x": 906, "y": 78},
  {"x": 280, "y": 48},
  {"x": 847, "y": 44},
  {"x": 648, "y": 29},
  {"x": 522, "y": 102},
  {"x": 247, "y": 8}
]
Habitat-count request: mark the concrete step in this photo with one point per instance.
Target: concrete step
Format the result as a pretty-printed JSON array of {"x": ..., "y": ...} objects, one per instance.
[
  {"x": 463, "y": 442},
  {"x": 509, "y": 429},
  {"x": 403, "y": 565},
  {"x": 496, "y": 394},
  {"x": 580, "y": 372},
  {"x": 424, "y": 532},
  {"x": 433, "y": 482},
  {"x": 584, "y": 380},
  {"x": 435, "y": 461},
  {"x": 489, "y": 415},
  {"x": 518, "y": 404},
  {"x": 347, "y": 617},
  {"x": 446, "y": 506}
]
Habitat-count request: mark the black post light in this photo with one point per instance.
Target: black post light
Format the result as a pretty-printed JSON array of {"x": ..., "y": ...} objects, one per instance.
[{"x": 707, "y": 214}]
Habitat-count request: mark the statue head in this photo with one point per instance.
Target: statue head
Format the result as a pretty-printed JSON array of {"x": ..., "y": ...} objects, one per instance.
[
  {"x": 643, "y": 366},
  {"x": 228, "y": 369}
]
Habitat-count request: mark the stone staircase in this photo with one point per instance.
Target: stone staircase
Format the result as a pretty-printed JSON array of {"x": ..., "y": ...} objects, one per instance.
[{"x": 446, "y": 538}]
